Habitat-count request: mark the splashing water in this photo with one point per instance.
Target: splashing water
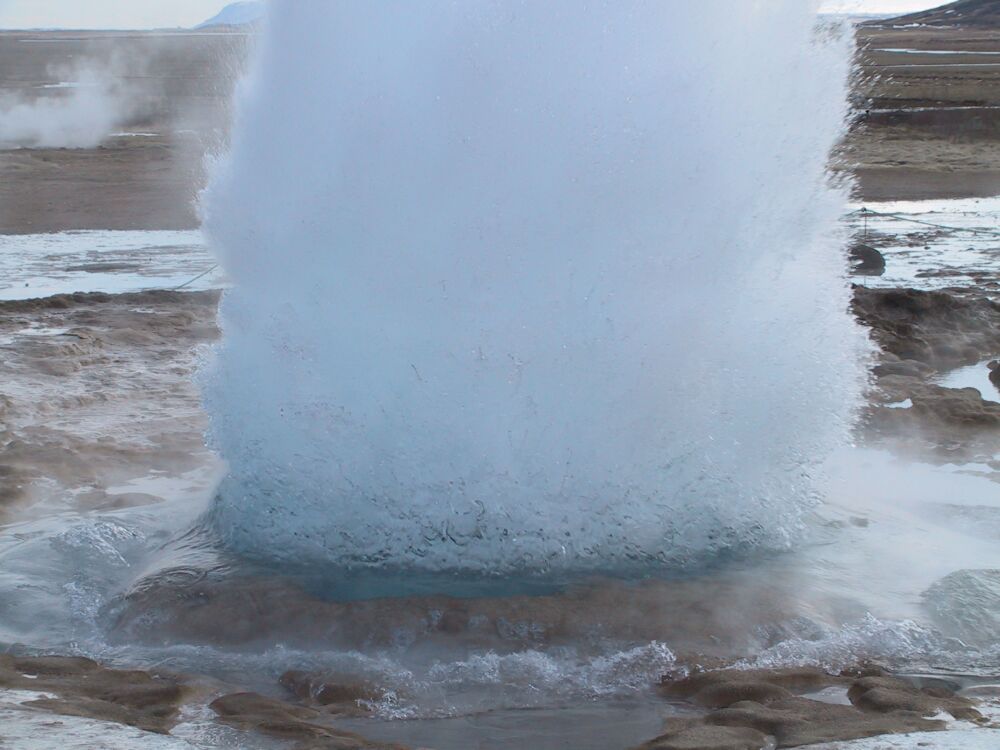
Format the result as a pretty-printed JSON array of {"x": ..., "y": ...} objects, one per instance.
[{"x": 530, "y": 288}]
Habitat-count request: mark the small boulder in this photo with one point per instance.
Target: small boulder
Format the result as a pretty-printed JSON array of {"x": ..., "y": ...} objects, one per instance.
[
  {"x": 726, "y": 694},
  {"x": 337, "y": 694},
  {"x": 796, "y": 680},
  {"x": 754, "y": 707},
  {"x": 76, "y": 686},
  {"x": 866, "y": 260},
  {"x": 888, "y": 694}
]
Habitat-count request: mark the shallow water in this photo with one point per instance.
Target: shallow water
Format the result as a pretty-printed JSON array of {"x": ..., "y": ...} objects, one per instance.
[
  {"x": 590, "y": 725},
  {"x": 974, "y": 376}
]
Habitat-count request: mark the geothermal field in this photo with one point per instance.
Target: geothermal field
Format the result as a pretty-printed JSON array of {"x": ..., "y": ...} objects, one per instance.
[{"x": 474, "y": 376}]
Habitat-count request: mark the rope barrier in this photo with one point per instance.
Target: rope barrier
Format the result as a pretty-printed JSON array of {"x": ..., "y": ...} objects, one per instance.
[
  {"x": 866, "y": 212},
  {"x": 200, "y": 275}
]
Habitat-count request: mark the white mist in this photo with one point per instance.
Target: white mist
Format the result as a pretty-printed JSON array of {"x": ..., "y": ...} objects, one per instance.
[{"x": 530, "y": 287}]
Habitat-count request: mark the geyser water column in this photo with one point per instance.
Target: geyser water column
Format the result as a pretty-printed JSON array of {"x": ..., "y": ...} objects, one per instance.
[{"x": 530, "y": 288}]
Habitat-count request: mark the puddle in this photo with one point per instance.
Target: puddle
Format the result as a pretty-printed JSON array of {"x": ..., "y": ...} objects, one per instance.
[{"x": 973, "y": 376}]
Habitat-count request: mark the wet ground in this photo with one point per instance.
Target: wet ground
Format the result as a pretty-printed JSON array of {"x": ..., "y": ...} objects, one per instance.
[{"x": 934, "y": 244}]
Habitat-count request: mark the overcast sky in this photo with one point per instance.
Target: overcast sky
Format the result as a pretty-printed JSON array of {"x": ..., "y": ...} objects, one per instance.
[
  {"x": 106, "y": 14},
  {"x": 143, "y": 14}
]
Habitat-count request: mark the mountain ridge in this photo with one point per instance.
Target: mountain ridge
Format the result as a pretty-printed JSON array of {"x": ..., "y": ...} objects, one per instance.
[
  {"x": 244, "y": 13},
  {"x": 981, "y": 13}
]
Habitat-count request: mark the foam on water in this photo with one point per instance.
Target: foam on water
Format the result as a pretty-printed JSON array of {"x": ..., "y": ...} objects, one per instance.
[{"x": 550, "y": 287}]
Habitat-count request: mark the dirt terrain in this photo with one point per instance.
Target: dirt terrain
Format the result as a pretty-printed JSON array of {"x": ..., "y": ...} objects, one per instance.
[
  {"x": 926, "y": 123},
  {"x": 167, "y": 100},
  {"x": 927, "y": 113}
]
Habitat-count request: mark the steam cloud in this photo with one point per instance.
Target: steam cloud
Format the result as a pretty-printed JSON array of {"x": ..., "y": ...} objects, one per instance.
[
  {"x": 91, "y": 103},
  {"x": 531, "y": 287}
]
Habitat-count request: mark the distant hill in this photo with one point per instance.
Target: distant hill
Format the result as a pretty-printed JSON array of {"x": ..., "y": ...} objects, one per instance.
[
  {"x": 962, "y": 13},
  {"x": 236, "y": 14}
]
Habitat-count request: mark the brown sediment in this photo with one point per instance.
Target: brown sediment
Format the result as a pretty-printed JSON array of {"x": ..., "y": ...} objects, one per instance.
[
  {"x": 131, "y": 356},
  {"x": 937, "y": 329},
  {"x": 724, "y": 614},
  {"x": 81, "y": 687},
  {"x": 152, "y": 701},
  {"x": 749, "y": 708},
  {"x": 80, "y": 300},
  {"x": 922, "y": 334},
  {"x": 336, "y": 693},
  {"x": 743, "y": 709},
  {"x": 964, "y": 14}
]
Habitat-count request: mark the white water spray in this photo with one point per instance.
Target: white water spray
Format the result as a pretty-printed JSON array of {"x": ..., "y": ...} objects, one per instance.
[{"x": 530, "y": 287}]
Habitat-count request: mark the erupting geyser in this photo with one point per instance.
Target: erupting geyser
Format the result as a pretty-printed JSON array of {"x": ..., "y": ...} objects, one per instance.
[{"x": 530, "y": 287}]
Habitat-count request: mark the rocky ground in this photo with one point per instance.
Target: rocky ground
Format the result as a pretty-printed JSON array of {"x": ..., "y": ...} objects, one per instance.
[
  {"x": 153, "y": 701},
  {"x": 927, "y": 125},
  {"x": 800, "y": 707},
  {"x": 741, "y": 709},
  {"x": 921, "y": 334}
]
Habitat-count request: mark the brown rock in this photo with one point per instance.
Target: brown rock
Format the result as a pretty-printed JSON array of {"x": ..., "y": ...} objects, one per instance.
[
  {"x": 726, "y": 694},
  {"x": 949, "y": 411},
  {"x": 887, "y": 694},
  {"x": 908, "y": 368},
  {"x": 866, "y": 260},
  {"x": 800, "y": 721},
  {"x": 957, "y": 406},
  {"x": 796, "y": 680},
  {"x": 756, "y": 704},
  {"x": 51, "y": 666},
  {"x": 937, "y": 328},
  {"x": 341, "y": 694}
]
